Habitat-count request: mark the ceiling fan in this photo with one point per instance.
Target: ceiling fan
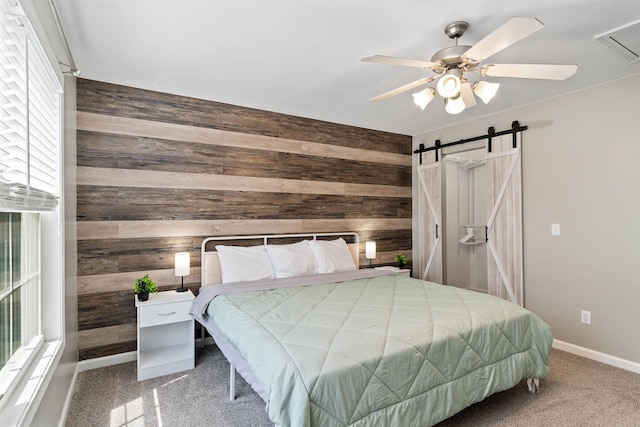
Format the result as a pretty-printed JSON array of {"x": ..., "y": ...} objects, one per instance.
[{"x": 451, "y": 63}]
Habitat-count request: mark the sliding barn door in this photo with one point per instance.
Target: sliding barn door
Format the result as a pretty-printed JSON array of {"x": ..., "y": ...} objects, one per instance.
[
  {"x": 429, "y": 220},
  {"x": 504, "y": 226}
]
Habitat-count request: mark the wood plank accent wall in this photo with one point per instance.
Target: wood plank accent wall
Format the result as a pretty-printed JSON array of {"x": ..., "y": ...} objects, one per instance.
[{"x": 157, "y": 173}]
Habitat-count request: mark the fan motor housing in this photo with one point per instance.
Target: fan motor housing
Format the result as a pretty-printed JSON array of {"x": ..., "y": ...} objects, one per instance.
[{"x": 450, "y": 55}]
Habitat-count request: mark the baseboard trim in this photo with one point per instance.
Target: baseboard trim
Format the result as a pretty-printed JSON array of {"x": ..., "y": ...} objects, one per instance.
[
  {"x": 627, "y": 365},
  {"x": 67, "y": 400},
  {"x": 103, "y": 362},
  {"x": 116, "y": 359}
]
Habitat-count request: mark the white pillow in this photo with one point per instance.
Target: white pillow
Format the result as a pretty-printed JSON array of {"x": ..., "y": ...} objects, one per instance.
[
  {"x": 332, "y": 255},
  {"x": 296, "y": 259},
  {"x": 238, "y": 263}
]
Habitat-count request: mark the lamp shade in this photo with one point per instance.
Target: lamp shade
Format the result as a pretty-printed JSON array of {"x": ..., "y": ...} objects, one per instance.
[
  {"x": 449, "y": 84},
  {"x": 370, "y": 250},
  {"x": 455, "y": 105},
  {"x": 423, "y": 97},
  {"x": 183, "y": 264},
  {"x": 485, "y": 90}
]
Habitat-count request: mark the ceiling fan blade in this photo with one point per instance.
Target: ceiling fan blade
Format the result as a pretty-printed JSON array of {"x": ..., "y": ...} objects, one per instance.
[
  {"x": 379, "y": 59},
  {"x": 509, "y": 33},
  {"x": 530, "y": 71},
  {"x": 401, "y": 89}
]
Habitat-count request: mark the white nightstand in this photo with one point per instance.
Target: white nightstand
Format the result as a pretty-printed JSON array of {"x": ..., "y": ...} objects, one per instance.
[
  {"x": 165, "y": 334},
  {"x": 403, "y": 272}
]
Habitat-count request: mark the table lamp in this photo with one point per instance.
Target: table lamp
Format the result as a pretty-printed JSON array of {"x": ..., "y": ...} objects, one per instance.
[
  {"x": 370, "y": 251},
  {"x": 183, "y": 268}
]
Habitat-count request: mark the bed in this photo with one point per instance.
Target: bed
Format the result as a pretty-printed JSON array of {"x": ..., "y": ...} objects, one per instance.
[{"x": 325, "y": 343}]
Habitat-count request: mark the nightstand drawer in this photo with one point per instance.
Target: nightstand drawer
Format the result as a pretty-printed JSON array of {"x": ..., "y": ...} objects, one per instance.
[{"x": 159, "y": 314}]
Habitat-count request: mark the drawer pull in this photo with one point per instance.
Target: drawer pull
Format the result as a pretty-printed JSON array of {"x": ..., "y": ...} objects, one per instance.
[{"x": 167, "y": 314}]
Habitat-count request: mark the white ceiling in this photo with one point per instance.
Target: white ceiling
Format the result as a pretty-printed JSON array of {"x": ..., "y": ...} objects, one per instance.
[{"x": 302, "y": 57}]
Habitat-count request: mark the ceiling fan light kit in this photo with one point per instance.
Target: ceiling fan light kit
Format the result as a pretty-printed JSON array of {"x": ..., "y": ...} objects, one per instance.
[
  {"x": 451, "y": 64},
  {"x": 424, "y": 97},
  {"x": 449, "y": 84},
  {"x": 466, "y": 92},
  {"x": 485, "y": 90},
  {"x": 455, "y": 105}
]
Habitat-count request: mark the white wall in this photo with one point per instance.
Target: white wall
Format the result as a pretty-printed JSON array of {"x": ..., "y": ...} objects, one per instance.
[{"x": 581, "y": 169}]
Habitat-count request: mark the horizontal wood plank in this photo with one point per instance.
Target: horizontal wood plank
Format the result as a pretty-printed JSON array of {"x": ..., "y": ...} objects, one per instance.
[
  {"x": 89, "y": 230},
  {"x": 106, "y": 350},
  {"x": 181, "y": 180},
  {"x": 124, "y": 281},
  {"x": 95, "y": 203},
  {"x": 107, "y": 335}
]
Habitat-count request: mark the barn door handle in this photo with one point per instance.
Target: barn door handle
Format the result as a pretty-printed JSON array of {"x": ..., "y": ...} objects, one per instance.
[{"x": 437, "y": 230}]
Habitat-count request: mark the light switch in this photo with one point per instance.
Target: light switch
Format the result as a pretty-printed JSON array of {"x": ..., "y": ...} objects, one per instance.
[{"x": 555, "y": 229}]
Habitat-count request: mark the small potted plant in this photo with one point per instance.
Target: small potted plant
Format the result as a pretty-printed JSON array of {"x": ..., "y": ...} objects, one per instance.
[
  {"x": 144, "y": 286},
  {"x": 401, "y": 259}
]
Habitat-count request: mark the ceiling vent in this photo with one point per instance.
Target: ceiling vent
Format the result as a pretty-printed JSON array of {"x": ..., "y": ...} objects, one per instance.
[{"x": 623, "y": 41}]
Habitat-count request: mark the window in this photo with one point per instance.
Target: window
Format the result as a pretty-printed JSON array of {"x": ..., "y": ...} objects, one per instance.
[
  {"x": 20, "y": 326},
  {"x": 30, "y": 128},
  {"x": 29, "y": 117}
]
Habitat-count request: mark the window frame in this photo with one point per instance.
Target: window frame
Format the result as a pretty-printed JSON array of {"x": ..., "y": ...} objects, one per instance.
[
  {"x": 30, "y": 250},
  {"x": 20, "y": 405}
]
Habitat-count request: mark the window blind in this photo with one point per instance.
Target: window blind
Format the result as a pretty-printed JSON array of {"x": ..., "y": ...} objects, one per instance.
[{"x": 30, "y": 97}]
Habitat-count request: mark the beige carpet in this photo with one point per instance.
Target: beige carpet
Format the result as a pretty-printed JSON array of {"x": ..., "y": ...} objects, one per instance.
[{"x": 578, "y": 392}]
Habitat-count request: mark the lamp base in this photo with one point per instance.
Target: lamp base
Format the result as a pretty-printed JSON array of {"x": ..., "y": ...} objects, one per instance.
[{"x": 182, "y": 288}]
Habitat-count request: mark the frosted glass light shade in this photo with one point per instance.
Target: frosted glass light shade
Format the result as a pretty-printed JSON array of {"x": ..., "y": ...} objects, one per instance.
[
  {"x": 449, "y": 84},
  {"x": 370, "y": 250},
  {"x": 455, "y": 105},
  {"x": 182, "y": 264},
  {"x": 424, "y": 97},
  {"x": 485, "y": 90}
]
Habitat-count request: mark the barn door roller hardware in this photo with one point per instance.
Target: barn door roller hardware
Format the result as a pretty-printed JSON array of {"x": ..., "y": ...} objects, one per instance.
[{"x": 491, "y": 133}]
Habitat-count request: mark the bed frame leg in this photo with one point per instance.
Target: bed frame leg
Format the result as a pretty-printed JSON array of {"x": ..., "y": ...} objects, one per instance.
[
  {"x": 232, "y": 383},
  {"x": 533, "y": 385}
]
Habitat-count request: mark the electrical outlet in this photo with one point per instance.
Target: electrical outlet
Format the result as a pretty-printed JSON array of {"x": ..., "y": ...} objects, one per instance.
[
  {"x": 555, "y": 229},
  {"x": 585, "y": 316}
]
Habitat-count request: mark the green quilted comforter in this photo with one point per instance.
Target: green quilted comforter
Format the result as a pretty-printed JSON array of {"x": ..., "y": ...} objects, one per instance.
[{"x": 380, "y": 351}]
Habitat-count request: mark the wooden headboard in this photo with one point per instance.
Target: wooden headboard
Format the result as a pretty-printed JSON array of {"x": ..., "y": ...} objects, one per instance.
[{"x": 210, "y": 264}]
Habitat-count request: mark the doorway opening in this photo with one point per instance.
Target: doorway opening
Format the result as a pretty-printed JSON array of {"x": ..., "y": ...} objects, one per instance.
[{"x": 465, "y": 217}]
